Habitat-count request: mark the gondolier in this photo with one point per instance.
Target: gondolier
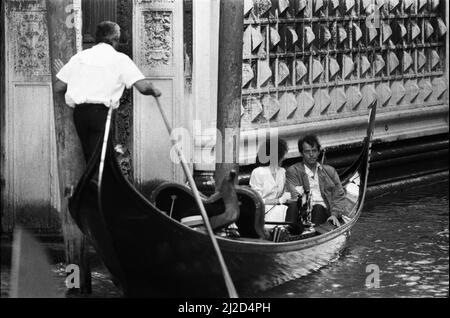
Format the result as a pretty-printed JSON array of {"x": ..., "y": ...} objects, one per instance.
[{"x": 94, "y": 80}]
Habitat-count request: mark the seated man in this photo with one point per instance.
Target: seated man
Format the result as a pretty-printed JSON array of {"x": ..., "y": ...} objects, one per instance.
[{"x": 321, "y": 181}]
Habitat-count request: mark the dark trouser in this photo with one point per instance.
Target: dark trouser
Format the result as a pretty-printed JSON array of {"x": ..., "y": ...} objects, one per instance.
[
  {"x": 319, "y": 214},
  {"x": 292, "y": 216},
  {"x": 292, "y": 213},
  {"x": 89, "y": 120}
]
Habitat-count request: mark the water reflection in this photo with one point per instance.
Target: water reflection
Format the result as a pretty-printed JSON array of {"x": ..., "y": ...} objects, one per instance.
[{"x": 405, "y": 233}]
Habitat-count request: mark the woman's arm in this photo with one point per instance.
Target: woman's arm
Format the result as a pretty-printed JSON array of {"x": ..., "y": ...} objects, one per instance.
[{"x": 272, "y": 201}]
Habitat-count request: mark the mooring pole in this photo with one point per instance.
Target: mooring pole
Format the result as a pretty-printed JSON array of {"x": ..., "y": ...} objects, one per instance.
[
  {"x": 231, "y": 24},
  {"x": 62, "y": 40}
]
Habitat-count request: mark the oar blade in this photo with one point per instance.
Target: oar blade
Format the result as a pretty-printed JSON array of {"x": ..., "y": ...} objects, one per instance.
[
  {"x": 31, "y": 272},
  {"x": 231, "y": 202}
]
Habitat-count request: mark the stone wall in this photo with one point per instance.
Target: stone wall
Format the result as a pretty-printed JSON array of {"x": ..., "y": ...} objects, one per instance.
[
  {"x": 313, "y": 66},
  {"x": 308, "y": 61},
  {"x": 30, "y": 195},
  {"x": 124, "y": 114},
  {"x": 158, "y": 52},
  {"x": 323, "y": 63}
]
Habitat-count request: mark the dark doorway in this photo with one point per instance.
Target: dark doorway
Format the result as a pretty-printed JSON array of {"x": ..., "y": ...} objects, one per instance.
[{"x": 95, "y": 12}]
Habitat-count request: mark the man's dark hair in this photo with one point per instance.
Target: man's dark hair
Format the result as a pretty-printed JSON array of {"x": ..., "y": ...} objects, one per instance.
[
  {"x": 311, "y": 140},
  {"x": 107, "y": 32},
  {"x": 263, "y": 159}
]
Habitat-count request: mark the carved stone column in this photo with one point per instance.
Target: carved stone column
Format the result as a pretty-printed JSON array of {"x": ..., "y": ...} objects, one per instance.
[
  {"x": 158, "y": 51},
  {"x": 124, "y": 114},
  {"x": 30, "y": 193}
]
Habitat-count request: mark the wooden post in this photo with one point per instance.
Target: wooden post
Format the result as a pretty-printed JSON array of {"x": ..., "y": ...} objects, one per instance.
[
  {"x": 231, "y": 24},
  {"x": 71, "y": 164},
  {"x": 6, "y": 220}
]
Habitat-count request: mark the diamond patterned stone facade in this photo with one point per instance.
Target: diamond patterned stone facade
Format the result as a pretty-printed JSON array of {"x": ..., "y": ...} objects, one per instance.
[{"x": 312, "y": 60}]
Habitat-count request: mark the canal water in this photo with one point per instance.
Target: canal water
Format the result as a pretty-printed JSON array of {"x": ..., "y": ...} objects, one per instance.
[{"x": 403, "y": 236}]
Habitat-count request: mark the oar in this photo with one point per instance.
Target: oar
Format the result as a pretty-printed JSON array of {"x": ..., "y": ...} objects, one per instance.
[
  {"x": 323, "y": 156},
  {"x": 228, "y": 282},
  {"x": 31, "y": 271},
  {"x": 102, "y": 157}
]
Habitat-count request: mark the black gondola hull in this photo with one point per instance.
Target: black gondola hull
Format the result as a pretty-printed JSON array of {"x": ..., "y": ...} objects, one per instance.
[{"x": 153, "y": 255}]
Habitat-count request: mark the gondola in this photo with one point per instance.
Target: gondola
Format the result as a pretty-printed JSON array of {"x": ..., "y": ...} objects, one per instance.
[{"x": 150, "y": 253}]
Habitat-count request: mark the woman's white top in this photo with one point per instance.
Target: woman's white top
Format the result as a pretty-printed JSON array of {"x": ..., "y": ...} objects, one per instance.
[{"x": 269, "y": 188}]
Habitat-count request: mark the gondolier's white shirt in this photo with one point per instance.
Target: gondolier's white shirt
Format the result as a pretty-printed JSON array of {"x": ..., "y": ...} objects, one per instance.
[{"x": 98, "y": 75}]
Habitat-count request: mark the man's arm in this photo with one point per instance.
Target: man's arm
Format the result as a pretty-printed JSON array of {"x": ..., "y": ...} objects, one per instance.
[
  {"x": 145, "y": 87},
  {"x": 292, "y": 180},
  {"x": 60, "y": 87},
  {"x": 338, "y": 196}
]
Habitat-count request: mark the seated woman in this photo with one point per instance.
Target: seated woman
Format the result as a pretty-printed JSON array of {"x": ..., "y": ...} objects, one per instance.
[{"x": 268, "y": 179}]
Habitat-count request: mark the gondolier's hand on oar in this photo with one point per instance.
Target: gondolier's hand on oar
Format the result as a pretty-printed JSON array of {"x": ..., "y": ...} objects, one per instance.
[
  {"x": 334, "y": 220},
  {"x": 156, "y": 92},
  {"x": 145, "y": 87}
]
